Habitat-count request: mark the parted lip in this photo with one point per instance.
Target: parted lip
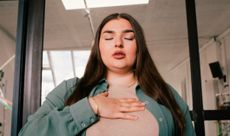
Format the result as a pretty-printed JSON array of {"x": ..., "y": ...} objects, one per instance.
[{"x": 118, "y": 52}]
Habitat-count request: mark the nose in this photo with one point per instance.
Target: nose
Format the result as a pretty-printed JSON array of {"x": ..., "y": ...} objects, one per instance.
[{"x": 118, "y": 42}]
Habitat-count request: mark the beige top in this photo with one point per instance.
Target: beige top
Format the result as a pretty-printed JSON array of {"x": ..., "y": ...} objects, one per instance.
[{"x": 145, "y": 125}]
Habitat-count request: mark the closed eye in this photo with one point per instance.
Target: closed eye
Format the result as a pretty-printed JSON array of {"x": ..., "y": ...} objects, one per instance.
[
  {"x": 129, "y": 38},
  {"x": 108, "y": 38}
]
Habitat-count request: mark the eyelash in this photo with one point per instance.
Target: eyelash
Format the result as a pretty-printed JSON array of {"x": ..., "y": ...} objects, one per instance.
[
  {"x": 108, "y": 38},
  {"x": 130, "y": 39}
]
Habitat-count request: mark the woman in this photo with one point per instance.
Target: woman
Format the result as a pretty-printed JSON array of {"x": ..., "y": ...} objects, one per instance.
[{"x": 120, "y": 94}]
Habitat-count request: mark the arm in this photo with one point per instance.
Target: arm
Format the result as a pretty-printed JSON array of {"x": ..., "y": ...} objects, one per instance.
[{"x": 52, "y": 118}]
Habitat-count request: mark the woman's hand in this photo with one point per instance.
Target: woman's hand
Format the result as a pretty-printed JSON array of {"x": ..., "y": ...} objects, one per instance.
[{"x": 113, "y": 108}]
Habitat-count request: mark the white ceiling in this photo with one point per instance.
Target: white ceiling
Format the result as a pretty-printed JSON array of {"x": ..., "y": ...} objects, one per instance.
[{"x": 164, "y": 23}]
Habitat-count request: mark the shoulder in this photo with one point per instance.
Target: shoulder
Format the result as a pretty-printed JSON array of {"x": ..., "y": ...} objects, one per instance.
[
  {"x": 70, "y": 83},
  {"x": 62, "y": 92}
]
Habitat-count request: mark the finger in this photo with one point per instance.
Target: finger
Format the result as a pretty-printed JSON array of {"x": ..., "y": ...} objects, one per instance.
[
  {"x": 133, "y": 104},
  {"x": 128, "y": 100},
  {"x": 125, "y": 116},
  {"x": 131, "y": 109}
]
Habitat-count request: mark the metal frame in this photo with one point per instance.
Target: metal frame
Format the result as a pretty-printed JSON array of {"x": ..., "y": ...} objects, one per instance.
[
  {"x": 195, "y": 68},
  {"x": 19, "y": 69},
  {"x": 28, "y": 62}
]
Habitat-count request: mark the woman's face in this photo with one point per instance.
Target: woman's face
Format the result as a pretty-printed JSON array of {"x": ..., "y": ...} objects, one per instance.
[{"x": 118, "y": 45}]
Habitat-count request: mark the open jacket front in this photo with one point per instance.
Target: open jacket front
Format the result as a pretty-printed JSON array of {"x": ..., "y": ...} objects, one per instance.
[{"x": 54, "y": 118}]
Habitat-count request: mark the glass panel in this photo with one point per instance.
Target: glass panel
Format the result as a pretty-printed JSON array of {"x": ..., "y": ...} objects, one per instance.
[
  {"x": 47, "y": 83},
  {"x": 214, "y": 39},
  {"x": 8, "y": 27},
  {"x": 168, "y": 44},
  {"x": 80, "y": 60},
  {"x": 164, "y": 24},
  {"x": 62, "y": 65}
]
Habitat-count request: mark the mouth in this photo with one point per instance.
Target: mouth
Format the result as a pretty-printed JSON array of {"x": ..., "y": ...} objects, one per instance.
[{"x": 119, "y": 55}]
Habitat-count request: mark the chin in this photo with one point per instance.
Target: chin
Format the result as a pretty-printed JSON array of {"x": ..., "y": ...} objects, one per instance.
[{"x": 121, "y": 67}]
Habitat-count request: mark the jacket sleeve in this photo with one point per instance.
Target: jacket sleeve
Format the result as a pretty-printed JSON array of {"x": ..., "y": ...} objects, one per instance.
[
  {"x": 53, "y": 118},
  {"x": 189, "y": 130}
]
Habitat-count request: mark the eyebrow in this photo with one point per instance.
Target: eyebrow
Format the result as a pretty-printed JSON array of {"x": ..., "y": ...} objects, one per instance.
[
  {"x": 128, "y": 31},
  {"x": 124, "y": 31}
]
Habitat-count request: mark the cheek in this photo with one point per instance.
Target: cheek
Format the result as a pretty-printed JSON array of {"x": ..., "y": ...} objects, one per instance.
[
  {"x": 105, "y": 47},
  {"x": 134, "y": 56},
  {"x": 133, "y": 51},
  {"x": 101, "y": 48},
  {"x": 103, "y": 51}
]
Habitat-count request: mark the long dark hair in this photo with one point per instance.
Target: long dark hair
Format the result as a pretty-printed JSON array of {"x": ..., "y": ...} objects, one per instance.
[{"x": 146, "y": 72}]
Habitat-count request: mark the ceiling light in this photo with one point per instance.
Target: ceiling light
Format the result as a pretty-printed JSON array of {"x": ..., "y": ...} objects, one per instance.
[{"x": 79, "y": 4}]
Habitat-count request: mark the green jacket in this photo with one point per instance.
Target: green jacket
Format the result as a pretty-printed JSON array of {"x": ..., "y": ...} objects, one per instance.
[{"x": 55, "y": 119}]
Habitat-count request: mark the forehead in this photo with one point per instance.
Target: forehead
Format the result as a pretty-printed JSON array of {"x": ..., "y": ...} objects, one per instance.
[{"x": 117, "y": 25}]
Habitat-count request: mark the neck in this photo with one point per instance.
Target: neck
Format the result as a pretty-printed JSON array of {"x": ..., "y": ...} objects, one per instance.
[{"x": 120, "y": 78}]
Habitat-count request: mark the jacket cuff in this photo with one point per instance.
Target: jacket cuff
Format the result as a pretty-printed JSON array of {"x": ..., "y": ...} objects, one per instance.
[{"x": 83, "y": 114}]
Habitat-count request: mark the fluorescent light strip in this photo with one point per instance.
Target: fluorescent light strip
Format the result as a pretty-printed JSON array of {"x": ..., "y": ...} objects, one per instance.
[
  {"x": 79, "y": 4},
  {"x": 73, "y": 4}
]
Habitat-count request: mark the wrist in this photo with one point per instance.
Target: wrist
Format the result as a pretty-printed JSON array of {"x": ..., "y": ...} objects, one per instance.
[{"x": 93, "y": 105}]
